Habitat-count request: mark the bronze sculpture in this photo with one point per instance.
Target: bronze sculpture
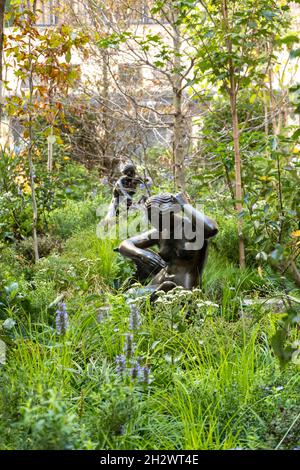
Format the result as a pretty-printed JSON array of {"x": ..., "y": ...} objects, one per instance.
[
  {"x": 124, "y": 190},
  {"x": 181, "y": 233}
]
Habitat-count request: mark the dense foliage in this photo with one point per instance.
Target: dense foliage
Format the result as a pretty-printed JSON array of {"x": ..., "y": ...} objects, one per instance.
[{"x": 82, "y": 364}]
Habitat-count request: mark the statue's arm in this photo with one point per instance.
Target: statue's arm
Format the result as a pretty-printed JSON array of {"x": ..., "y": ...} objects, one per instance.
[
  {"x": 198, "y": 218},
  {"x": 135, "y": 248},
  {"x": 144, "y": 179},
  {"x": 138, "y": 179}
]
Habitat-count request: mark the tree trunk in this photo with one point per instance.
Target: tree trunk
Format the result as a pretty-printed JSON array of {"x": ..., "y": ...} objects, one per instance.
[
  {"x": 273, "y": 105},
  {"x": 276, "y": 124},
  {"x": 2, "y": 10},
  {"x": 108, "y": 159},
  {"x": 294, "y": 273},
  {"x": 238, "y": 173},
  {"x": 30, "y": 159},
  {"x": 50, "y": 151},
  {"x": 236, "y": 140},
  {"x": 179, "y": 134},
  {"x": 266, "y": 111}
]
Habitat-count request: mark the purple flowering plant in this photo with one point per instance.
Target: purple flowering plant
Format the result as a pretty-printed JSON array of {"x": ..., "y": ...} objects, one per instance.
[
  {"x": 62, "y": 319},
  {"x": 128, "y": 365}
]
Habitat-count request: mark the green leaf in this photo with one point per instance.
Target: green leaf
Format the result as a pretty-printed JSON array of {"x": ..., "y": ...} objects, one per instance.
[
  {"x": 295, "y": 53},
  {"x": 259, "y": 239},
  {"x": 288, "y": 40},
  {"x": 296, "y": 135},
  {"x": 274, "y": 142},
  {"x": 268, "y": 14},
  {"x": 68, "y": 56},
  {"x": 278, "y": 342},
  {"x": 242, "y": 214},
  {"x": 261, "y": 256}
]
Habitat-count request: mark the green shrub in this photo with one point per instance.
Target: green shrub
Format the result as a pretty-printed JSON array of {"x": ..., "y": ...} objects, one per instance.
[
  {"x": 93, "y": 257},
  {"x": 73, "y": 217},
  {"x": 49, "y": 425},
  {"x": 54, "y": 269},
  {"x": 46, "y": 244}
]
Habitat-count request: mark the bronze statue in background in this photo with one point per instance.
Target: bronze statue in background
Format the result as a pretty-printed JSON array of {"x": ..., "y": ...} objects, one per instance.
[
  {"x": 180, "y": 259},
  {"x": 124, "y": 190}
]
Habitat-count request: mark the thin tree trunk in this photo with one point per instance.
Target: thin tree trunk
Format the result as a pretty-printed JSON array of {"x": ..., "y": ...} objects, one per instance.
[
  {"x": 276, "y": 124},
  {"x": 229, "y": 182},
  {"x": 179, "y": 134},
  {"x": 294, "y": 272},
  {"x": 273, "y": 105},
  {"x": 50, "y": 152},
  {"x": 51, "y": 138},
  {"x": 2, "y": 10},
  {"x": 266, "y": 111},
  {"x": 238, "y": 173},
  {"x": 30, "y": 159},
  {"x": 285, "y": 109},
  {"x": 108, "y": 158},
  {"x": 236, "y": 141}
]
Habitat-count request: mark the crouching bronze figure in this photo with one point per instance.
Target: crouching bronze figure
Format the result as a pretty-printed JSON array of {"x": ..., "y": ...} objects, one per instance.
[{"x": 181, "y": 233}]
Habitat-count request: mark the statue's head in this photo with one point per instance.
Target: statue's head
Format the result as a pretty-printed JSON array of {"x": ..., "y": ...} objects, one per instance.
[
  {"x": 129, "y": 169},
  {"x": 161, "y": 209}
]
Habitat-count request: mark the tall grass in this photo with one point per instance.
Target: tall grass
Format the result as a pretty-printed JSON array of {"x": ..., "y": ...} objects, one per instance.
[{"x": 215, "y": 381}]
